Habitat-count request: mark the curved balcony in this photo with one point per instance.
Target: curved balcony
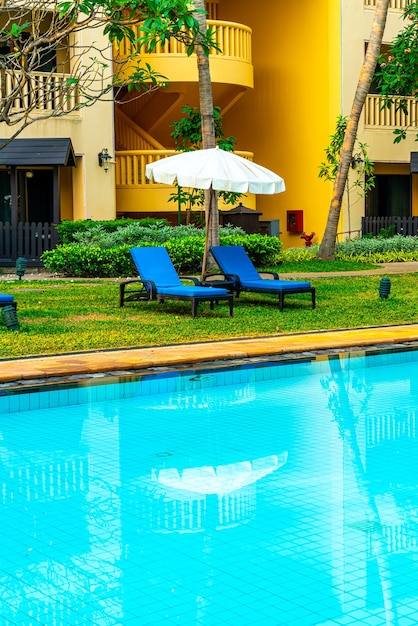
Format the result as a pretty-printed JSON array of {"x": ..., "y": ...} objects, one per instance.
[
  {"x": 232, "y": 65},
  {"x": 134, "y": 190},
  {"x": 130, "y": 166}
]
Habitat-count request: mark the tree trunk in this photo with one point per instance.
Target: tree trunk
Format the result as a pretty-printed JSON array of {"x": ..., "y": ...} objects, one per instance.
[
  {"x": 327, "y": 247},
  {"x": 208, "y": 141}
]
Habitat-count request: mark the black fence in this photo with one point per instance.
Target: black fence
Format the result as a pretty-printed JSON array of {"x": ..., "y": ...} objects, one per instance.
[
  {"x": 25, "y": 240},
  {"x": 403, "y": 225}
]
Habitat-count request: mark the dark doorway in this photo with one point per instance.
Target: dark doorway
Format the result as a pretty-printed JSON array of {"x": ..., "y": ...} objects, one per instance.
[
  {"x": 5, "y": 197},
  {"x": 391, "y": 196},
  {"x": 35, "y": 195}
]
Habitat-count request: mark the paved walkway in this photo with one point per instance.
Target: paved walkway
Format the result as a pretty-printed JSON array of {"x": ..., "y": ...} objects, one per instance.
[
  {"x": 49, "y": 368},
  {"x": 385, "y": 269}
]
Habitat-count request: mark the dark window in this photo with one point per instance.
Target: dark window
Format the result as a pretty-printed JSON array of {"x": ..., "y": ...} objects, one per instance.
[
  {"x": 44, "y": 59},
  {"x": 391, "y": 196},
  {"x": 374, "y": 87}
]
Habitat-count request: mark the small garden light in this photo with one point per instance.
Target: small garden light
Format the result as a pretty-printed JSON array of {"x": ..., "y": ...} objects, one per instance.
[
  {"x": 384, "y": 288},
  {"x": 9, "y": 316},
  {"x": 21, "y": 266}
]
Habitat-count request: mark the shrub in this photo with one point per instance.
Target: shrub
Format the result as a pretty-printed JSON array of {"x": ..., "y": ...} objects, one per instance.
[
  {"x": 365, "y": 246},
  {"x": 299, "y": 254},
  {"x": 186, "y": 254},
  {"x": 67, "y": 230},
  {"x": 135, "y": 234},
  {"x": 263, "y": 250},
  {"x": 86, "y": 261}
]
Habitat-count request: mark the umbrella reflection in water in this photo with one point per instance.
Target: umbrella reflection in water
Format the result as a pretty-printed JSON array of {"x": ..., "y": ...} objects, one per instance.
[{"x": 192, "y": 499}]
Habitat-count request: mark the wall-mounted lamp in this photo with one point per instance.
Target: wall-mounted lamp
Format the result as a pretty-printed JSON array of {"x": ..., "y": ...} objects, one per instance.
[
  {"x": 104, "y": 158},
  {"x": 356, "y": 161},
  {"x": 29, "y": 174}
]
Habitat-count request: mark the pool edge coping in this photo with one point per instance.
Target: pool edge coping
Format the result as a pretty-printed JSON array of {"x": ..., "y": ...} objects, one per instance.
[{"x": 129, "y": 359}]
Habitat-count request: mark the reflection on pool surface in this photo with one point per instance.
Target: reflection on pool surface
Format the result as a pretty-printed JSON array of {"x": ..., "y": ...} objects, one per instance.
[{"x": 282, "y": 494}]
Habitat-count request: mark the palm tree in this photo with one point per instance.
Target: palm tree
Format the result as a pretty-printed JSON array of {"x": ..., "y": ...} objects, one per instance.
[
  {"x": 327, "y": 247},
  {"x": 208, "y": 135}
]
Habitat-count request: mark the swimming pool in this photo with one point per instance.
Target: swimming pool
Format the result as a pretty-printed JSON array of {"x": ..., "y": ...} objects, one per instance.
[{"x": 275, "y": 494}]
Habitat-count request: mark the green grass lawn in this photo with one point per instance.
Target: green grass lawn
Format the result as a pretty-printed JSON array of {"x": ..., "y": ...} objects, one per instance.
[
  {"x": 64, "y": 316},
  {"x": 317, "y": 265}
]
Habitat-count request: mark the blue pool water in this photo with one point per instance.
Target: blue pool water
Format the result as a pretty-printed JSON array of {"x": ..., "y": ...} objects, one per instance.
[{"x": 277, "y": 495}]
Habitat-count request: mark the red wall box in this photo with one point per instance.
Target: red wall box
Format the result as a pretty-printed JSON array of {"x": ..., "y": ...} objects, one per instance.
[{"x": 295, "y": 221}]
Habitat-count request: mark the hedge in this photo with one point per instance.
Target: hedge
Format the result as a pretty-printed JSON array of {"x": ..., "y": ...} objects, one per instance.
[{"x": 186, "y": 254}]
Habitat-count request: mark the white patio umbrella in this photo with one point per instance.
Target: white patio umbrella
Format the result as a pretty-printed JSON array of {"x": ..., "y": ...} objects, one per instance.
[{"x": 217, "y": 169}]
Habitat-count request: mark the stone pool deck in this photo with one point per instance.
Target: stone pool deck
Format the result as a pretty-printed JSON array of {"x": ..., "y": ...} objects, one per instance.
[
  {"x": 25, "y": 371},
  {"x": 51, "y": 368}
]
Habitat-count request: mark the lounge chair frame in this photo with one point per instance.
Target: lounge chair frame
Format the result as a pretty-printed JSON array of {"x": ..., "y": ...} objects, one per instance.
[
  {"x": 151, "y": 293},
  {"x": 148, "y": 291},
  {"x": 259, "y": 288}
]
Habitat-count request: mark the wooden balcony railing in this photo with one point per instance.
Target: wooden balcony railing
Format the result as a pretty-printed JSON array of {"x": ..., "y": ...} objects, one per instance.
[
  {"x": 130, "y": 166},
  {"x": 233, "y": 39},
  {"x": 42, "y": 91},
  {"x": 377, "y": 117},
  {"x": 399, "y": 5}
]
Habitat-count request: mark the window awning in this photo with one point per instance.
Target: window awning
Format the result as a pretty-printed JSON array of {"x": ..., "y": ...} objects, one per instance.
[{"x": 32, "y": 152}]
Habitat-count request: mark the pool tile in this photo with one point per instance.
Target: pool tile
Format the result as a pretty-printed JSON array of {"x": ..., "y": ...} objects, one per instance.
[{"x": 287, "y": 540}]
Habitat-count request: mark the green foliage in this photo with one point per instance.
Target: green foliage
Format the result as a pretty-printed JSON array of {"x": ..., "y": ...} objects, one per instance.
[
  {"x": 364, "y": 179},
  {"x": 75, "y": 315},
  {"x": 68, "y": 230},
  {"x": 397, "y": 76},
  {"x": 388, "y": 232},
  {"x": 135, "y": 233},
  {"x": 186, "y": 253},
  {"x": 167, "y": 19},
  {"x": 187, "y": 132},
  {"x": 87, "y": 261},
  {"x": 187, "y": 135},
  {"x": 263, "y": 250},
  {"x": 323, "y": 266},
  {"x": 380, "y": 249}
]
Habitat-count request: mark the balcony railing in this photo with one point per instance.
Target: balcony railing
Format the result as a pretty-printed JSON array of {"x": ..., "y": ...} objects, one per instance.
[
  {"x": 377, "y": 117},
  {"x": 399, "y": 5},
  {"x": 41, "y": 91},
  {"x": 130, "y": 166},
  {"x": 234, "y": 41}
]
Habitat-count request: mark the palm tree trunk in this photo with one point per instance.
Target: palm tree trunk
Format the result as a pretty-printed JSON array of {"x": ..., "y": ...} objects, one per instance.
[
  {"x": 327, "y": 247},
  {"x": 208, "y": 141}
]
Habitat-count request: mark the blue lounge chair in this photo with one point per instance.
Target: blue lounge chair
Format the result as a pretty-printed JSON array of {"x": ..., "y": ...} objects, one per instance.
[
  {"x": 160, "y": 281},
  {"x": 6, "y": 300},
  {"x": 236, "y": 265}
]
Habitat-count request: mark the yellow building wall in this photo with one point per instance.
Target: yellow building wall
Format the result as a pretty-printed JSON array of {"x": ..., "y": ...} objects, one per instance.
[
  {"x": 388, "y": 158},
  {"x": 307, "y": 58},
  {"x": 87, "y": 191},
  {"x": 288, "y": 117}
]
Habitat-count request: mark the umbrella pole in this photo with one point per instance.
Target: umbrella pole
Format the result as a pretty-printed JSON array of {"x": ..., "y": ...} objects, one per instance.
[{"x": 208, "y": 213}]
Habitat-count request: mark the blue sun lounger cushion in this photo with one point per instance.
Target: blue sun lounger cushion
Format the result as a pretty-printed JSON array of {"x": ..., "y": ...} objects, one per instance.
[
  {"x": 6, "y": 300},
  {"x": 237, "y": 266},
  {"x": 160, "y": 281}
]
